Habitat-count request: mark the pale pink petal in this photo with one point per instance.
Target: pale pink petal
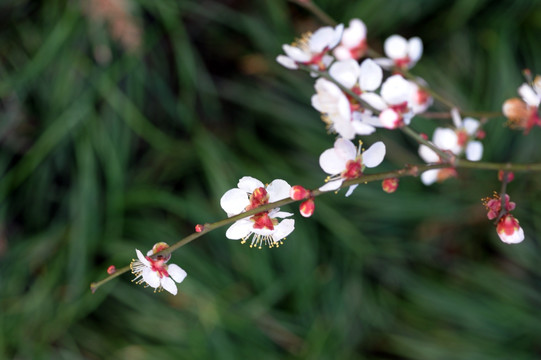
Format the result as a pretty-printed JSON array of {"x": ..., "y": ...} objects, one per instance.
[
  {"x": 331, "y": 162},
  {"x": 142, "y": 258},
  {"x": 239, "y": 230},
  {"x": 234, "y": 201},
  {"x": 278, "y": 189},
  {"x": 350, "y": 190},
  {"x": 287, "y": 62},
  {"x": 528, "y": 95},
  {"x": 346, "y": 72},
  {"x": 332, "y": 185},
  {"x": 415, "y": 49},
  {"x": 151, "y": 278},
  {"x": 176, "y": 272},
  {"x": 429, "y": 177},
  {"x": 474, "y": 151},
  {"x": 395, "y": 90},
  {"x": 169, "y": 285},
  {"x": 370, "y": 75},
  {"x": 283, "y": 229},
  {"x": 374, "y": 155},
  {"x": 396, "y": 47},
  {"x": 342, "y": 53},
  {"x": 249, "y": 184}
]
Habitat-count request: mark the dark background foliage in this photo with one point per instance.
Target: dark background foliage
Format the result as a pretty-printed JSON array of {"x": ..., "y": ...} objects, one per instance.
[{"x": 122, "y": 128}]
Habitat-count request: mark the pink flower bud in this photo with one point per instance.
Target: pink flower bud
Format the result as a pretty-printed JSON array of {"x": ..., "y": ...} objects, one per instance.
[
  {"x": 199, "y": 228},
  {"x": 390, "y": 185},
  {"x": 111, "y": 270},
  {"x": 297, "y": 192},
  {"x": 390, "y": 118},
  {"x": 510, "y": 176},
  {"x": 307, "y": 207},
  {"x": 509, "y": 230}
]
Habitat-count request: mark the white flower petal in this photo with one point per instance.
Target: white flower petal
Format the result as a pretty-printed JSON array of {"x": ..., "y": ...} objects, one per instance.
[
  {"x": 370, "y": 75},
  {"x": 514, "y": 238},
  {"x": 234, "y": 201},
  {"x": 280, "y": 214},
  {"x": 429, "y": 177},
  {"x": 446, "y": 139},
  {"x": 345, "y": 149},
  {"x": 321, "y": 39},
  {"x": 249, "y": 184},
  {"x": 389, "y": 118},
  {"x": 528, "y": 95},
  {"x": 374, "y": 155},
  {"x": 142, "y": 258},
  {"x": 151, "y": 278},
  {"x": 385, "y": 63},
  {"x": 176, "y": 272},
  {"x": 395, "y": 90},
  {"x": 428, "y": 155},
  {"x": 283, "y": 229},
  {"x": 351, "y": 188},
  {"x": 240, "y": 229},
  {"x": 346, "y": 72},
  {"x": 278, "y": 189},
  {"x": 415, "y": 49},
  {"x": 457, "y": 120},
  {"x": 344, "y": 128},
  {"x": 470, "y": 125},
  {"x": 331, "y": 162},
  {"x": 169, "y": 285},
  {"x": 354, "y": 34},
  {"x": 474, "y": 151},
  {"x": 374, "y": 100},
  {"x": 332, "y": 185},
  {"x": 287, "y": 62},
  {"x": 362, "y": 128},
  {"x": 396, "y": 47},
  {"x": 296, "y": 54}
]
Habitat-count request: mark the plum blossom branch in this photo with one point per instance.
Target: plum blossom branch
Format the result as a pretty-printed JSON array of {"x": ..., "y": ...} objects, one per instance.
[{"x": 408, "y": 170}]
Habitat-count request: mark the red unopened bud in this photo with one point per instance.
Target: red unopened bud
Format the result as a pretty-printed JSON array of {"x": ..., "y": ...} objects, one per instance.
[
  {"x": 424, "y": 136},
  {"x": 509, "y": 176},
  {"x": 481, "y": 134},
  {"x": 390, "y": 185},
  {"x": 111, "y": 270},
  {"x": 307, "y": 207},
  {"x": 297, "y": 192},
  {"x": 199, "y": 228}
]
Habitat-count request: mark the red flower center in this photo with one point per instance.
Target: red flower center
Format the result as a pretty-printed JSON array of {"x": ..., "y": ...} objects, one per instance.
[
  {"x": 159, "y": 266},
  {"x": 354, "y": 169}
]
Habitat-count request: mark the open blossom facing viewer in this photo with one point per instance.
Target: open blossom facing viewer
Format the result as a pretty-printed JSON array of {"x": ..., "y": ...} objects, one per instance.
[
  {"x": 155, "y": 272},
  {"x": 265, "y": 226},
  {"x": 343, "y": 114},
  {"x": 400, "y": 52},
  {"x": 353, "y": 44},
  {"x": 345, "y": 162},
  {"x": 524, "y": 113},
  {"x": 312, "y": 49}
]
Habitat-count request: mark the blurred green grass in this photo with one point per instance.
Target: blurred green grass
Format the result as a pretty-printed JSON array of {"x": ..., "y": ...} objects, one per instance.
[{"x": 105, "y": 149}]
